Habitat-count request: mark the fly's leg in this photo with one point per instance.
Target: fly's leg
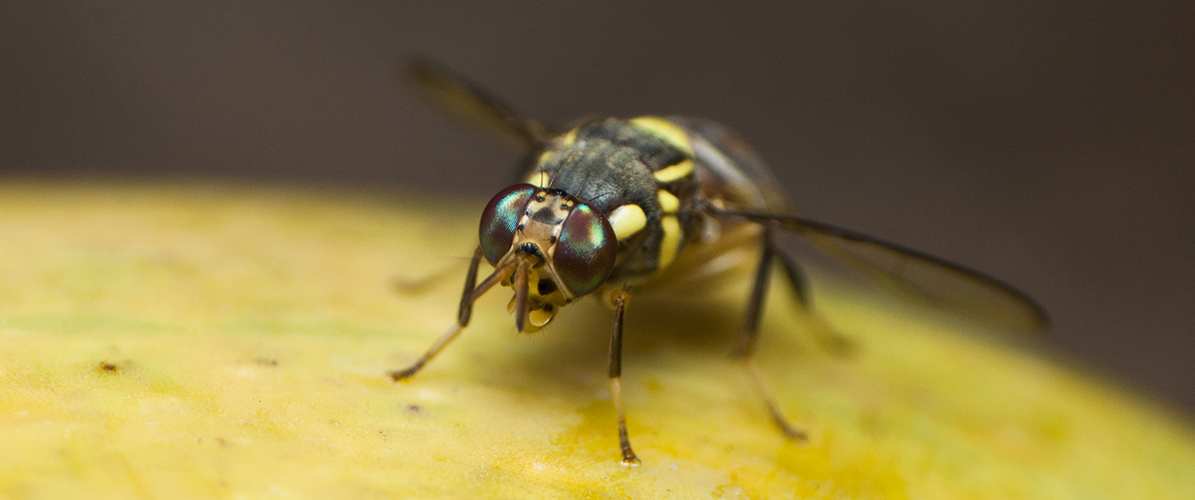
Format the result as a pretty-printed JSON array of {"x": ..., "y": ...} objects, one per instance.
[
  {"x": 826, "y": 335},
  {"x": 462, "y": 320},
  {"x": 749, "y": 336},
  {"x": 745, "y": 351},
  {"x": 421, "y": 285},
  {"x": 620, "y": 299}
]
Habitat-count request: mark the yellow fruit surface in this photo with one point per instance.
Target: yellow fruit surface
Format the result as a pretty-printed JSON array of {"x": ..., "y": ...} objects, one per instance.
[{"x": 184, "y": 340}]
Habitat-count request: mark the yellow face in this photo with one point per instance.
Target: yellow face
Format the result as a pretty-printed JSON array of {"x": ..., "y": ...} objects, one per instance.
[
  {"x": 535, "y": 239},
  {"x": 548, "y": 247}
]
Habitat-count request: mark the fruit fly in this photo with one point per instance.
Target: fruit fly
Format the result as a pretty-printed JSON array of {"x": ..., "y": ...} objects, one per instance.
[{"x": 612, "y": 206}]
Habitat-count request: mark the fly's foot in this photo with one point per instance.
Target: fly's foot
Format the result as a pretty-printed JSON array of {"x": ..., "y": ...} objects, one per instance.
[
  {"x": 789, "y": 431},
  {"x": 400, "y": 375},
  {"x": 628, "y": 455},
  {"x": 792, "y": 433}
]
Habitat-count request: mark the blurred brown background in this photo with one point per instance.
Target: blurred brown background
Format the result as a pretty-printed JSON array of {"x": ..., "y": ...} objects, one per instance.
[{"x": 1048, "y": 143}]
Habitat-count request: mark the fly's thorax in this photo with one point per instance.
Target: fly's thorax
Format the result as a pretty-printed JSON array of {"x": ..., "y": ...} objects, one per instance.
[
  {"x": 647, "y": 174},
  {"x": 639, "y": 173}
]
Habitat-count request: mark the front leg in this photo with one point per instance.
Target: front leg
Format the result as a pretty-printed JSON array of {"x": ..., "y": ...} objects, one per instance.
[
  {"x": 620, "y": 298},
  {"x": 462, "y": 320}
]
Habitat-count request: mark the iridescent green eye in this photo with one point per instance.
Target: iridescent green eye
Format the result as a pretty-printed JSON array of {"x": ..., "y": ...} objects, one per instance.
[
  {"x": 585, "y": 254},
  {"x": 501, "y": 218}
]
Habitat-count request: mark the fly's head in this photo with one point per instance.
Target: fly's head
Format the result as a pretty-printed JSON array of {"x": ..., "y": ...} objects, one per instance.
[{"x": 548, "y": 246}]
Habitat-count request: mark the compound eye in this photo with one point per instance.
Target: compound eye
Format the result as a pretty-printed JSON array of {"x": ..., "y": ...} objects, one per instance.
[
  {"x": 501, "y": 218},
  {"x": 585, "y": 254}
]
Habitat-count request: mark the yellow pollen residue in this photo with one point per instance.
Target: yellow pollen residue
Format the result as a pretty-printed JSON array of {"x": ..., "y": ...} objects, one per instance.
[
  {"x": 678, "y": 171},
  {"x": 627, "y": 220},
  {"x": 666, "y": 130},
  {"x": 671, "y": 242},
  {"x": 668, "y": 201}
]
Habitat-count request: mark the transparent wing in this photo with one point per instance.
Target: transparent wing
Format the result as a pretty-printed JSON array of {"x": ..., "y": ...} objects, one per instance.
[
  {"x": 911, "y": 272},
  {"x": 467, "y": 100}
]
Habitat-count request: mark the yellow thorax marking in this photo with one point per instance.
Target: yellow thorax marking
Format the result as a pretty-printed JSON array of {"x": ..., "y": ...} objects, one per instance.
[
  {"x": 671, "y": 242},
  {"x": 627, "y": 220},
  {"x": 666, "y": 130},
  {"x": 668, "y": 201},
  {"x": 560, "y": 142},
  {"x": 567, "y": 139},
  {"x": 678, "y": 171},
  {"x": 538, "y": 178}
]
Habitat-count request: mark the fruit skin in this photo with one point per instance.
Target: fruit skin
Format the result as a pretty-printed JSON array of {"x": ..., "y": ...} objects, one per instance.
[{"x": 213, "y": 340}]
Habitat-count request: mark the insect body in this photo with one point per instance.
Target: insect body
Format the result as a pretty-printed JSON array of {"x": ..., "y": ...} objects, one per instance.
[{"x": 612, "y": 206}]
